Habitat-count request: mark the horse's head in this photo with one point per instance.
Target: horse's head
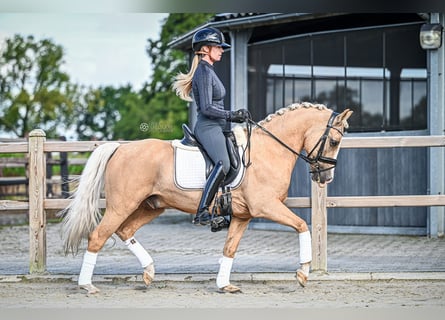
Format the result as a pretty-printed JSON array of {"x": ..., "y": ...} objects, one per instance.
[{"x": 322, "y": 145}]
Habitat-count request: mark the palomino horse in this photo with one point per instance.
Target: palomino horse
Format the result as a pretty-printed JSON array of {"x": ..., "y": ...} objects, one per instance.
[{"x": 139, "y": 185}]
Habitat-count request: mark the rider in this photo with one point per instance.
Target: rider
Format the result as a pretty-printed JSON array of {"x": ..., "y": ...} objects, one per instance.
[{"x": 208, "y": 93}]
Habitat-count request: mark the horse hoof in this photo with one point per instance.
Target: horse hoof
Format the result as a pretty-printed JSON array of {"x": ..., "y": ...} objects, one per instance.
[
  {"x": 149, "y": 274},
  {"x": 89, "y": 288},
  {"x": 229, "y": 289},
  {"x": 301, "y": 277}
]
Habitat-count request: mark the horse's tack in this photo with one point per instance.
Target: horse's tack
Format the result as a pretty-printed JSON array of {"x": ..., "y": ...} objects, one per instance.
[
  {"x": 322, "y": 141},
  {"x": 190, "y": 140},
  {"x": 189, "y": 168},
  {"x": 190, "y": 147}
]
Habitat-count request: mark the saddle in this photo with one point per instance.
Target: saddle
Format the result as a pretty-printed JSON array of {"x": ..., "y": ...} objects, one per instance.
[
  {"x": 193, "y": 166},
  {"x": 190, "y": 140}
]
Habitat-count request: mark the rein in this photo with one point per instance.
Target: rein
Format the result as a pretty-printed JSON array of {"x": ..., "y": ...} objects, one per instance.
[{"x": 310, "y": 160}]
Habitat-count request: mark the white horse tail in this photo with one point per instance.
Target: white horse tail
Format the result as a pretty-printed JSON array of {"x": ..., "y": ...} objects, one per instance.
[{"x": 83, "y": 214}]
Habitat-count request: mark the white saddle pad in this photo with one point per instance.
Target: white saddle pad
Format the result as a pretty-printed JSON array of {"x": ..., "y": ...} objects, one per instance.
[{"x": 190, "y": 168}]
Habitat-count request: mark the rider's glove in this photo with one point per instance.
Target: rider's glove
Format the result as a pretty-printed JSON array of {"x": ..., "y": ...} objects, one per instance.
[{"x": 239, "y": 116}]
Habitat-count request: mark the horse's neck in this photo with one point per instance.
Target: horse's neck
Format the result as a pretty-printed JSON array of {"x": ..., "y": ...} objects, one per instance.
[
  {"x": 290, "y": 128},
  {"x": 272, "y": 158}
]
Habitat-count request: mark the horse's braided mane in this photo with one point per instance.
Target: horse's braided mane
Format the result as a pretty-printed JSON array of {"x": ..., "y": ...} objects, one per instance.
[{"x": 293, "y": 107}]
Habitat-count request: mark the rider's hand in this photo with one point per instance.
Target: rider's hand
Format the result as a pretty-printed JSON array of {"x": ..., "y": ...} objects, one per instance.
[{"x": 239, "y": 116}]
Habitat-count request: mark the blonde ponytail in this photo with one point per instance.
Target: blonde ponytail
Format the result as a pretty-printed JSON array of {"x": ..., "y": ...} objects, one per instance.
[{"x": 183, "y": 81}]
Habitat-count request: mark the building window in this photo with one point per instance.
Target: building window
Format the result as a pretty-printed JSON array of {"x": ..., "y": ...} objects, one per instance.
[{"x": 379, "y": 73}]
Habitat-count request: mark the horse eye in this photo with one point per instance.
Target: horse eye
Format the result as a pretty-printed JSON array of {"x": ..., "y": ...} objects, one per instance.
[{"x": 333, "y": 143}]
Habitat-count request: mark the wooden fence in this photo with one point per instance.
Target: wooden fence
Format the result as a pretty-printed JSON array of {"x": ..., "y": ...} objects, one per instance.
[
  {"x": 37, "y": 146},
  {"x": 17, "y": 186}
]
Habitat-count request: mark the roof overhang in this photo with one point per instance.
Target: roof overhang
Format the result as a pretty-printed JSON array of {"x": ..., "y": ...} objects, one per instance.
[
  {"x": 227, "y": 22},
  {"x": 243, "y": 22}
]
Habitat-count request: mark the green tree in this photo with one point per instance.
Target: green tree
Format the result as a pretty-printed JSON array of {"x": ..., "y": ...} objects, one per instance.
[
  {"x": 140, "y": 119},
  {"x": 131, "y": 106},
  {"x": 99, "y": 112},
  {"x": 132, "y": 116},
  {"x": 153, "y": 112},
  {"x": 121, "y": 113},
  {"x": 166, "y": 61},
  {"x": 165, "y": 110},
  {"x": 34, "y": 91}
]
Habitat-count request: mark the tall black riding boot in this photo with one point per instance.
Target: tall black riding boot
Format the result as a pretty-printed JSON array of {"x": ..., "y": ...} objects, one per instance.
[{"x": 216, "y": 177}]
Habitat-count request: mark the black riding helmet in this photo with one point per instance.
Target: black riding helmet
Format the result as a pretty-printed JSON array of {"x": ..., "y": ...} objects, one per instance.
[{"x": 208, "y": 37}]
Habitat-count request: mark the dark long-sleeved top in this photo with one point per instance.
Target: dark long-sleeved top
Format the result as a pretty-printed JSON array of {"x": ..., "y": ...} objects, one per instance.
[{"x": 209, "y": 92}]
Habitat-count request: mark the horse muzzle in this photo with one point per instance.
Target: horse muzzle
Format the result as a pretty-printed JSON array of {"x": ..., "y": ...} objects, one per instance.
[{"x": 322, "y": 176}]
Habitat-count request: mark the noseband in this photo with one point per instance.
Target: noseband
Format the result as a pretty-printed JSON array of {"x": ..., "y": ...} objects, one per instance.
[
  {"x": 322, "y": 142},
  {"x": 314, "y": 161}
]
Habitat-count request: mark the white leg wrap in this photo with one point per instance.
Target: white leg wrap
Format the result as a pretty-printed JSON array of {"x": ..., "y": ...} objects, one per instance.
[
  {"x": 138, "y": 250},
  {"x": 305, "y": 247},
  {"x": 86, "y": 272},
  {"x": 225, "y": 268}
]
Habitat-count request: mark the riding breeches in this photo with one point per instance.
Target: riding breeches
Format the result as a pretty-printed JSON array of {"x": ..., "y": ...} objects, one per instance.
[{"x": 209, "y": 133}]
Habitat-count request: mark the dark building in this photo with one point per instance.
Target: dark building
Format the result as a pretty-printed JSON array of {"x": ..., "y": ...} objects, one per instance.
[{"x": 373, "y": 64}]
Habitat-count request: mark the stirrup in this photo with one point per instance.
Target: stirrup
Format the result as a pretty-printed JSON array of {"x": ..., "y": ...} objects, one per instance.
[{"x": 218, "y": 223}]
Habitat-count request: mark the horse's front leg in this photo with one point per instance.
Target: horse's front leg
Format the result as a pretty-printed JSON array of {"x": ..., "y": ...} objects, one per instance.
[
  {"x": 278, "y": 212},
  {"x": 234, "y": 235}
]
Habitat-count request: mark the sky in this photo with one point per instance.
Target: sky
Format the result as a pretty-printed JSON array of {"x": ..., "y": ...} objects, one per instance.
[{"x": 100, "y": 48}]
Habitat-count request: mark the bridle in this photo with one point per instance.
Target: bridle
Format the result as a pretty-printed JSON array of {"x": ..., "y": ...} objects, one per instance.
[{"x": 312, "y": 160}]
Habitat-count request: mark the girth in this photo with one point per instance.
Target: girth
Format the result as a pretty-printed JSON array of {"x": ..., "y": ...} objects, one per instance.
[{"x": 189, "y": 139}]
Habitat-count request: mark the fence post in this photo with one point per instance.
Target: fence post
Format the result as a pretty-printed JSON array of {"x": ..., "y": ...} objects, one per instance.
[
  {"x": 319, "y": 228},
  {"x": 64, "y": 173},
  {"x": 37, "y": 194}
]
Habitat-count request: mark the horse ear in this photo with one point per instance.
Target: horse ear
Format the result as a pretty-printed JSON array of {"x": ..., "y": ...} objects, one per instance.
[{"x": 344, "y": 116}]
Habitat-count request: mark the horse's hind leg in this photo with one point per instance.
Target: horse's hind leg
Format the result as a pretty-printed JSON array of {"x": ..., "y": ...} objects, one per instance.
[
  {"x": 125, "y": 226},
  {"x": 96, "y": 240},
  {"x": 126, "y": 232}
]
